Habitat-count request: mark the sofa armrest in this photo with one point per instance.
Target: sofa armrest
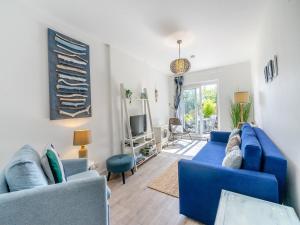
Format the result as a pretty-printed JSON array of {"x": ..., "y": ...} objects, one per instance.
[
  {"x": 200, "y": 187},
  {"x": 78, "y": 202},
  {"x": 74, "y": 166},
  {"x": 219, "y": 136}
]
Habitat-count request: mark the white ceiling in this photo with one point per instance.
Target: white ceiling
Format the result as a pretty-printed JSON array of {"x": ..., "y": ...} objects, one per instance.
[{"x": 218, "y": 32}]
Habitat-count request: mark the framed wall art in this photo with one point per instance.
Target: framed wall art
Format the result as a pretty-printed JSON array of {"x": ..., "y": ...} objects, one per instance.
[{"x": 69, "y": 77}]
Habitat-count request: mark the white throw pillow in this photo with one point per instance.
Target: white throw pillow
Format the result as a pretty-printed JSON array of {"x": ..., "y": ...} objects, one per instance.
[
  {"x": 233, "y": 159},
  {"x": 235, "y": 131},
  {"x": 177, "y": 128},
  {"x": 233, "y": 141}
]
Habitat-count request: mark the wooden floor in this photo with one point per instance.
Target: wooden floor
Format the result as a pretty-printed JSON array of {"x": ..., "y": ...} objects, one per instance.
[{"x": 135, "y": 204}]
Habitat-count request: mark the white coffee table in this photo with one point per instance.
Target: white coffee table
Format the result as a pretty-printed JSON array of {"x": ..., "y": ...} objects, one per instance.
[{"x": 237, "y": 209}]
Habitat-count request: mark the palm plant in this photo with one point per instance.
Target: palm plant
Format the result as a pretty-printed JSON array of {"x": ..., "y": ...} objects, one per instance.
[
  {"x": 246, "y": 110},
  {"x": 235, "y": 114}
]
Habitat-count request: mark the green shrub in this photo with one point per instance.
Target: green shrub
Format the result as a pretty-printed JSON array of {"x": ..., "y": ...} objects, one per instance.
[{"x": 209, "y": 108}]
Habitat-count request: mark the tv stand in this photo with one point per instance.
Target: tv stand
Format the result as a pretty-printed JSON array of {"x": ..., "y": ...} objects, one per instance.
[{"x": 141, "y": 147}]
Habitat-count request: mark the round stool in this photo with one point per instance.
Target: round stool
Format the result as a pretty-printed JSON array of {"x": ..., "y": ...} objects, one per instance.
[{"x": 119, "y": 164}]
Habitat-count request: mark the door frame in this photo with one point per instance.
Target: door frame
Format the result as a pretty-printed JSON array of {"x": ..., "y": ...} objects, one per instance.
[{"x": 199, "y": 85}]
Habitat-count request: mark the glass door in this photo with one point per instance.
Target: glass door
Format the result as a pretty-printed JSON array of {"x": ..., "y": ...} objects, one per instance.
[
  {"x": 190, "y": 107},
  {"x": 199, "y": 108}
]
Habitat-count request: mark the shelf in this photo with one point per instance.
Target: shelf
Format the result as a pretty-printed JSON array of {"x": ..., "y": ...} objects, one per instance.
[
  {"x": 143, "y": 144},
  {"x": 136, "y": 99},
  {"x": 139, "y": 137},
  {"x": 146, "y": 159}
]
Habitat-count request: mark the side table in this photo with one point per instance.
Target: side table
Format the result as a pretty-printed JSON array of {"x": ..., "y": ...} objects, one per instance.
[{"x": 237, "y": 209}]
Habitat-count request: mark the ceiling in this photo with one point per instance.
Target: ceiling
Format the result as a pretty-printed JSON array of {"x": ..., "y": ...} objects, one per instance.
[{"x": 217, "y": 32}]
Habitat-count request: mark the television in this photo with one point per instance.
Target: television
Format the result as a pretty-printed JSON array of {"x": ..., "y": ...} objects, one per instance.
[{"x": 138, "y": 124}]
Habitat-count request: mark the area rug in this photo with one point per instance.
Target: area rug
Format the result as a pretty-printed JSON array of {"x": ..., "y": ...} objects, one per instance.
[{"x": 167, "y": 182}]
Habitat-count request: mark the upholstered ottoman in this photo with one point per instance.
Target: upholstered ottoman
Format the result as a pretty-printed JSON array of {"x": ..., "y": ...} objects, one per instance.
[{"x": 119, "y": 164}]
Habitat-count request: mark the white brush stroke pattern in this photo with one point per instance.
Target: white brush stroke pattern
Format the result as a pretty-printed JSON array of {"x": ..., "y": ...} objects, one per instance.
[
  {"x": 68, "y": 50},
  {"x": 68, "y": 59},
  {"x": 75, "y": 104},
  {"x": 72, "y": 84},
  {"x": 58, "y": 86},
  {"x": 59, "y": 66},
  {"x": 87, "y": 110},
  {"x": 73, "y": 99},
  {"x": 60, "y": 75},
  {"x": 75, "y": 43},
  {"x": 71, "y": 95},
  {"x": 71, "y": 55}
]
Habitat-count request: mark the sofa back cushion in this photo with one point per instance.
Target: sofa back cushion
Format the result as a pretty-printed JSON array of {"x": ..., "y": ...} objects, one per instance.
[
  {"x": 251, "y": 149},
  {"x": 273, "y": 161},
  {"x": 3, "y": 184},
  {"x": 24, "y": 171}
]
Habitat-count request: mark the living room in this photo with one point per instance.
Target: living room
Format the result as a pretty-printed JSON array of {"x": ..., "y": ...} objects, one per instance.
[{"x": 117, "y": 56}]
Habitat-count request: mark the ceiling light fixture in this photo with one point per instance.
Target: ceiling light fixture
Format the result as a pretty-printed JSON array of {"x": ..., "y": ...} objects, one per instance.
[{"x": 181, "y": 65}]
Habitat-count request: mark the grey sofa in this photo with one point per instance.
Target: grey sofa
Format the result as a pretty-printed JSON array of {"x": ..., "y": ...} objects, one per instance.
[{"x": 83, "y": 199}]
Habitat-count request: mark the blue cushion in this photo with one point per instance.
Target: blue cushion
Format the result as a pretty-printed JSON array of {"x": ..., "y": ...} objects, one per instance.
[
  {"x": 119, "y": 163},
  {"x": 273, "y": 161},
  {"x": 212, "y": 153},
  {"x": 83, "y": 175},
  {"x": 3, "y": 184},
  {"x": 252, "y": 152},
  {"x": 24, "y": 171},
  {"x": 245, "y": 125}
]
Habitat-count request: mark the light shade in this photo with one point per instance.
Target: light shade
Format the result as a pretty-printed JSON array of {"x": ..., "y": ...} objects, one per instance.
[
  {"x": 241, "y": 97},
  {"x": 180, "y": 66},
  {"x": 82, "y": 137}
]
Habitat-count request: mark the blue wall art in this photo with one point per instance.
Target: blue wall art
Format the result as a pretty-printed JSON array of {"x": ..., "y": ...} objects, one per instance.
[{"x": 69, "y": 77}]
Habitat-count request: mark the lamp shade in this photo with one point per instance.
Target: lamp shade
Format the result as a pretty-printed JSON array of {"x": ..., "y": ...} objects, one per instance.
[
  {"x": 241, "y": 97},
  {"x": 82, "y": 137},
  {"x": 180, "y": 66}
]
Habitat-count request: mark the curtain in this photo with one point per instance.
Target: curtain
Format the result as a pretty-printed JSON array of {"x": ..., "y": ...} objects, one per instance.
[{"x": 178, "y": 89}]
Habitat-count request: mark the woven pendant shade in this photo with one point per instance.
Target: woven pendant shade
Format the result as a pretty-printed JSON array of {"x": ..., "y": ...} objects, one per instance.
[{"x": 181, "y": 65}]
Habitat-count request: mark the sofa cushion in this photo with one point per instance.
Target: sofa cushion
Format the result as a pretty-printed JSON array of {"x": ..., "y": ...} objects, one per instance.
[
  {"x": 46, "y": 166},
  {"x": 55, "y": 165},
  {"x": 233, "y": 159},
  {"x": 234, "y": 132},
  {"x": 83, "y": 175},
  {"x": 233, "y": 141},
  {"x": 251, "y": 149},
  {"x": 24, "y": 171},
  {"x": 3, "y": 184},
  {"x": 273, "y": 161},
  {"x": 212, "y": 153},
  {"x": 87, "y": 174}
]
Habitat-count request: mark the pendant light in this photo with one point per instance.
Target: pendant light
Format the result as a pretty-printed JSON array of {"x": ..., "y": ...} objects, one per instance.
[{"x": 181, "y": 65}]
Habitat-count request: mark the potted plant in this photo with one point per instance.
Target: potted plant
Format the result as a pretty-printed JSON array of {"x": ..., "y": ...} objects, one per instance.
[
  {"x": 128, "y": 94},
  {"x": 235, "y": 112}
]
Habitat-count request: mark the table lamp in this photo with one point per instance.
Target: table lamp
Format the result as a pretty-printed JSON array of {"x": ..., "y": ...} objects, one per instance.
[
  {"x": 82, "y": 138},
  {"x": 241, "y": 97}
]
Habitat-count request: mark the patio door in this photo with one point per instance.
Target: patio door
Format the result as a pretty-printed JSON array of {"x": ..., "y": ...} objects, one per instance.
[{"x": 199, "y": 108}]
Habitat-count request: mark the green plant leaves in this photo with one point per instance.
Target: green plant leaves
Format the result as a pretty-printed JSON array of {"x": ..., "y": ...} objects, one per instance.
[{"x": 235, "y": 112}]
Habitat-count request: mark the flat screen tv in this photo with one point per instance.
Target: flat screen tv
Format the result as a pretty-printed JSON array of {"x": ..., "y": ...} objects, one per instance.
[{"x": 138, "y": 124}]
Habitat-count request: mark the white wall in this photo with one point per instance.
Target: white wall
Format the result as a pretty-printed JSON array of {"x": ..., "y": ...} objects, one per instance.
[
  {"x": 136, "y": 75},
  {"x": 277, "y": 104},
  {"x": 24, "y": 93},
  {"x": 229, "y": 78}
]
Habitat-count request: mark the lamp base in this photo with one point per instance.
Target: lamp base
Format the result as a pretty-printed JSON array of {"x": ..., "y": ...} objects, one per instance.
[{"x": 83, "y": 152}]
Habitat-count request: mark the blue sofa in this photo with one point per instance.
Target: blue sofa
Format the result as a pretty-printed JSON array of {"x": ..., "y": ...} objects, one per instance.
[
  {"x": 201, "y": 179},
  {"x": 83, "y": 199}
]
